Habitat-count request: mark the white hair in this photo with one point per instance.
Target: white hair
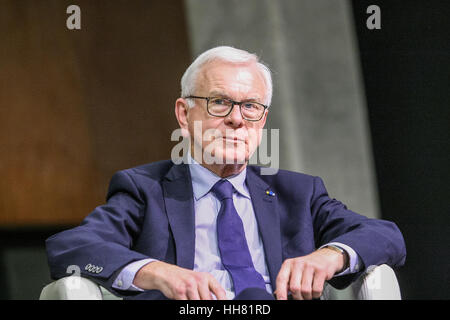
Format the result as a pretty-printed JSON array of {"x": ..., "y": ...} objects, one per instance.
[{"x": 227, "y": 54}]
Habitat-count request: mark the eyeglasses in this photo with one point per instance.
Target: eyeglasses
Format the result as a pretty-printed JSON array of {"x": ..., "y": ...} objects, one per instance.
[{"x": 222, "y": 107}]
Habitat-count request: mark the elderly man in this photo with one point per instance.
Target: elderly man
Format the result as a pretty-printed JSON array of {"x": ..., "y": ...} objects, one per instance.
[{"x": 216, "y": 227}]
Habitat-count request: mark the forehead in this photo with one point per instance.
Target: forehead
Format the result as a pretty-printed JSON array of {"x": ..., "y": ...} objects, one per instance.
[{"x": 234, "y": 80}]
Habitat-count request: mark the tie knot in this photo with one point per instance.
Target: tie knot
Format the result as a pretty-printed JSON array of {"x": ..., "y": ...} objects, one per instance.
[{"x": 223, "y": 189}]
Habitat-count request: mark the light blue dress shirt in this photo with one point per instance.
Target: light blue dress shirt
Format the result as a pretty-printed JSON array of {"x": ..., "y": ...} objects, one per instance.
[{"x": 207, "y": 255}]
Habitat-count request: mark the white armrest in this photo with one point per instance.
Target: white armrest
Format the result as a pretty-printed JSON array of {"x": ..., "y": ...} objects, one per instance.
[
  {"x": 71, "y": 288},
  {"x": 377, "y": 283}
]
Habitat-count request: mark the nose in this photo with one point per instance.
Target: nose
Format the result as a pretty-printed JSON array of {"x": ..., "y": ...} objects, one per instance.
[{"x": 234, "y": 119}]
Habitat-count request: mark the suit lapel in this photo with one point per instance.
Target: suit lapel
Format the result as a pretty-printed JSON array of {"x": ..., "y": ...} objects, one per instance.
[
  {"x": 265, "y": 207},
  {"x": 178, "y": 198}
]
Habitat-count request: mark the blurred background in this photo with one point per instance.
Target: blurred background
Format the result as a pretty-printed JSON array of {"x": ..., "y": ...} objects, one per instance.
[{"x": 365, "y": 109}]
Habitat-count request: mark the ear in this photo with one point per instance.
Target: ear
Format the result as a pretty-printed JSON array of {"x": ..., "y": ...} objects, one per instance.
[{"x": 182, "y": 114}]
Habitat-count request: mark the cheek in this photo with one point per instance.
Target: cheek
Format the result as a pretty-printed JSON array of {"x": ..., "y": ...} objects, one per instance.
[
  {"x": 254, "y": 137},
  {"x": 204, "y": 131}
]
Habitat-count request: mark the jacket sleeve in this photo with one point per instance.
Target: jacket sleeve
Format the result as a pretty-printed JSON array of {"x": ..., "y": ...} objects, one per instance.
[
  {"x": 101, "y": 246},
  {"x": 376, "y": 241}
]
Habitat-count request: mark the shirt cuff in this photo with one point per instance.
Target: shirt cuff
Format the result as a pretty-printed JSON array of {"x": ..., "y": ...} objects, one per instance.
[
  {"x": 124, "y": 280},
  {"x": 354, "y": 263}
]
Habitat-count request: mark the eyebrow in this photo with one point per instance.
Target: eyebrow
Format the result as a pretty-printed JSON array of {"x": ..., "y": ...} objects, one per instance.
[{"x": 222, "y": 95}]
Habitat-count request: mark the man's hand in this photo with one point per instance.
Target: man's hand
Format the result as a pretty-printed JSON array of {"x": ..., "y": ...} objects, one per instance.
[
  {"x": 178, "y": 283},
  {"x": 305, "y": 276}
]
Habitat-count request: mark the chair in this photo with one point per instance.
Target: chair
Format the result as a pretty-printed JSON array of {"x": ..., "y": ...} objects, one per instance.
[
  {"x": 377, "y": 283},
  {"x": 75, "y": 288}
]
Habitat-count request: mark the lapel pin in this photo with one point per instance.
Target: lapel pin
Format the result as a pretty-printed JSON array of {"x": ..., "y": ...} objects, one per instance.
[{"x": 270, "y": 193}]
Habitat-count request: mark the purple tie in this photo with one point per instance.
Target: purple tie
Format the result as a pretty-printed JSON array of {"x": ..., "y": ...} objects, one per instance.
[{"x": 232, "y": 243}]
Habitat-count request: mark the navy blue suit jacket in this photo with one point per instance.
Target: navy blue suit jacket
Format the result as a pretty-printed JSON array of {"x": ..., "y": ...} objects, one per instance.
[{"x": 150, "y": 213}]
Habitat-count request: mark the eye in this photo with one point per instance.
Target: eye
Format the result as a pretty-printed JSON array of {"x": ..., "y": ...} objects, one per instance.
[
  {"x": 218, "y": 101},
  {"x": 250, "y": 105}
]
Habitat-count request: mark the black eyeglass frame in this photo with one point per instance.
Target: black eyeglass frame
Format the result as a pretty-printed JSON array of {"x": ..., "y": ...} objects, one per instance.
[{"x": 233, "y": 103}]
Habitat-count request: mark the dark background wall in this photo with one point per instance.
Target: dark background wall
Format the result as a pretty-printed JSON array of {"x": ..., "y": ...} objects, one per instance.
[{"x": 406, "y": 68}]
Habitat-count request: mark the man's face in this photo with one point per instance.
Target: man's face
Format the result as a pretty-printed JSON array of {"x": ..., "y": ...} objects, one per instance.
[{"x": 230, "y": 139}]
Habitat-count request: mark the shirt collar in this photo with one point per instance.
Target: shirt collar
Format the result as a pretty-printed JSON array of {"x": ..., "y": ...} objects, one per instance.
[{"x": 203, "y": 180}]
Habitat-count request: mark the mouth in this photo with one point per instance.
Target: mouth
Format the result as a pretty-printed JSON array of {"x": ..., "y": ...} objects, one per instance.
[{"x": 233, "y": 139}]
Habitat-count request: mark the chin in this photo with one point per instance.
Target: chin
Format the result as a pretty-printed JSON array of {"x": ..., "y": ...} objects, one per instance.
[
  {"x": 219, "y": 152},
  {"x": 235, "y": 160},
  {"x": 230, "y": 157}
]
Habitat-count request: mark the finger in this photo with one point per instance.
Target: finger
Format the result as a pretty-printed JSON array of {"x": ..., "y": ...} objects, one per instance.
[
  {"x": 181, "y": 297},
  {"x": 177, "y": 293},
  {"x": 307, "y": 278},
  {"x": 217, "y": 289},
  {"x": 193, "y": 295},
  {"x": 282, "y": 281},
  {"x": 203, "y": 290},
  {"x": 318, "y": 283},
  {"x": 192, "y": 290},
  {"x": 295, "y": 282}
]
